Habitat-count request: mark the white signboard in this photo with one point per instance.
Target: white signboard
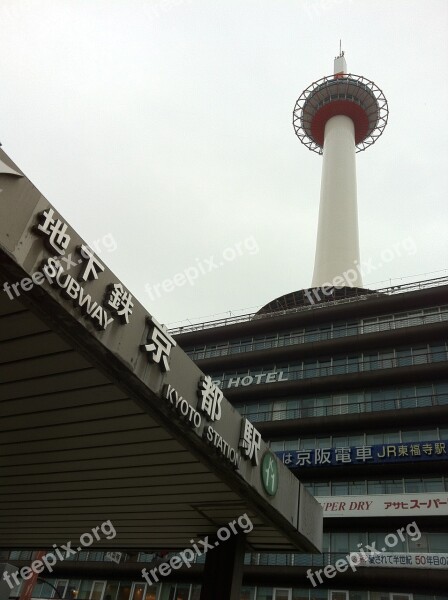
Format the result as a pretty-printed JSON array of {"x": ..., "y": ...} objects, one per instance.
[
  {"x": 385, "y": 505},
  {"x": 406, "y": 560}
]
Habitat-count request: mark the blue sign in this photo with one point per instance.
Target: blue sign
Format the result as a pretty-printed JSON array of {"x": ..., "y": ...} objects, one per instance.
[{"x": 362, "y": 455}]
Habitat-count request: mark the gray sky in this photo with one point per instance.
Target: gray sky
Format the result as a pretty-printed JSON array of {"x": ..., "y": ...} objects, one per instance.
[{"x": 168, "y": 124}]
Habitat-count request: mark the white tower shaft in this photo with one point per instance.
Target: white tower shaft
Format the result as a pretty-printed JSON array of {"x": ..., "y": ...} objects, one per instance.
[{"x": 337, "y": 248}]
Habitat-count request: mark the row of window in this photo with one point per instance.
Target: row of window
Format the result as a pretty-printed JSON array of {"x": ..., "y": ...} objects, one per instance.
[
  {"x": 342, "y": 542},
  {"x": 317, "y": 593},
  {"x": 185, "y": 591},
  {"x": 361, "y": 439},
  {"x": 393, "y": 398},
  {"x": 75, "y": 589},
  {"x": 339, "y": 365},
  {"x": 85, "y": 555},
  {"x": 319, "y": 333},
  {"x": 384, "y": 486},
  {"x": 280, "y": 593},
  {"x": 412, "y": 540}
]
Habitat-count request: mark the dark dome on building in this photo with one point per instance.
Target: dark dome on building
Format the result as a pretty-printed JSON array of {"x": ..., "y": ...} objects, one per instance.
[{"x": 309, "y": 296}]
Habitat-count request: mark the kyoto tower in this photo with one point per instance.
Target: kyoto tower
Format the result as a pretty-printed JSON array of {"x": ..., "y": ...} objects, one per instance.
[{"x": 337, "y": 116}]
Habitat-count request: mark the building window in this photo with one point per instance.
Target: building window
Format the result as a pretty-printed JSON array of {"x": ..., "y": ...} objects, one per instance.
[
  {"x": 321, "y": 333},
  {"x": 247, "y": 593},
  {"x": 348, "y": 402}
]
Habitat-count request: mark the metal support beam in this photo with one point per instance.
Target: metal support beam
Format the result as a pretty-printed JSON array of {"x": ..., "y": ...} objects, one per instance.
[{"x": 223, "y": 570}]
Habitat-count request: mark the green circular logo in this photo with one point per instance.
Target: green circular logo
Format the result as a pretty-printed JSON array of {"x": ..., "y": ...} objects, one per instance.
[{"x": 269, "y": 473}]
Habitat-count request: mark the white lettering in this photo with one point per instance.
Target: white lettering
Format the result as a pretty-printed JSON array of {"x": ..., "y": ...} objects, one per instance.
[
  {"x": 221, "y": 446},
  {"x": 50, "y": 269},
  {"x": 209, "y": 433},
  {"x": 233, "y": 382},
  {"x": 257, "y": 379},
  {"x": 197, "y": 419},
  {"x": 72, "y": 289},
  {"x": 182, "y": 406},
  {"x": 107, "y": 321},
  {"x": 98, "y": 314},
  {"x": 84, "y": 299}
]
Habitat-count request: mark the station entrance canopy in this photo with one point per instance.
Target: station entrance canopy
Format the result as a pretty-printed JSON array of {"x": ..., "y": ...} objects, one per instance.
[{"x": 104, "y": 417}]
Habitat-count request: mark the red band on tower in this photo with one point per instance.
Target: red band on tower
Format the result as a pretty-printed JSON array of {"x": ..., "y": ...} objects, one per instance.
[{"x": 340, "y": 107}]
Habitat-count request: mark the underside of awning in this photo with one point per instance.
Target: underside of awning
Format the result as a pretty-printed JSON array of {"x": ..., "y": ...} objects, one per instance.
[
  {"x": 75, "y": 451},
  {"x": 88, "y": 433}
]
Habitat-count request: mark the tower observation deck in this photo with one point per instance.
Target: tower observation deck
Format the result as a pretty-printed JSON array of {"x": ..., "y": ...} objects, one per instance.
[{"x": 337, "y": 116}]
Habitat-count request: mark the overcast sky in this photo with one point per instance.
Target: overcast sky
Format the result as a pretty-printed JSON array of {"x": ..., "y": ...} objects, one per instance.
[{"x": 168, "y": 125}]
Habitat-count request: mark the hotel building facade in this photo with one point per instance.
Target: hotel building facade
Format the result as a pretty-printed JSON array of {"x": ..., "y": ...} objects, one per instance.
[{"x": 351, "y": 391}]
